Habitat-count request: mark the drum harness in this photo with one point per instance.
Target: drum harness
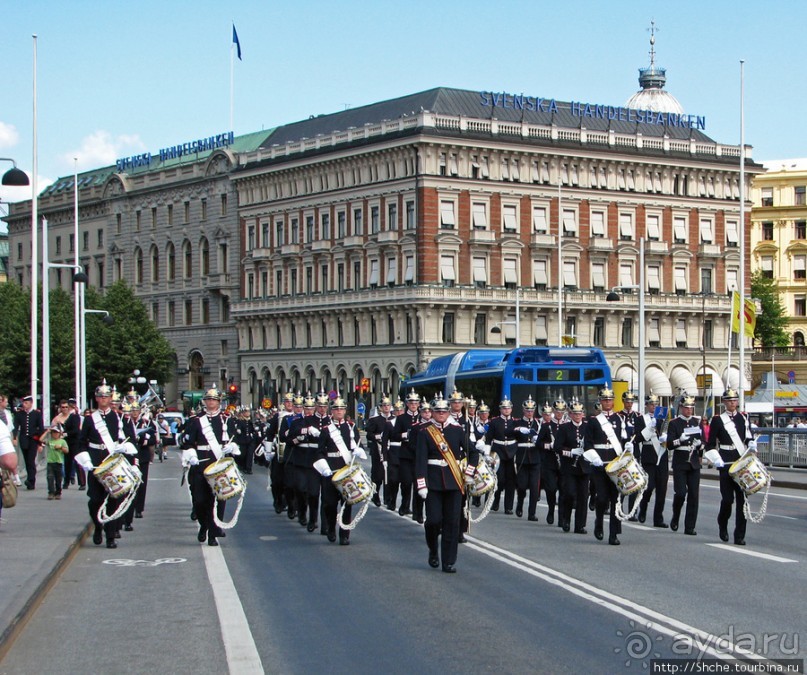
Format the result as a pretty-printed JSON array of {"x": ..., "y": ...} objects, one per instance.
[
  {"x": 608, "y": 430},
  {"x": 216, "y": 449},
  {"x": 731, "y": 430},
  {"x": 109, "y": 444},
  {"x": 349, "y": 459}
]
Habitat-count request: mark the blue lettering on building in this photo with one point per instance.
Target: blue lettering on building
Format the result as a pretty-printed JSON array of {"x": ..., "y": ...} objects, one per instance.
[
  {"x": 598, "y": 111},
  {"x": 177, "y": 151}
]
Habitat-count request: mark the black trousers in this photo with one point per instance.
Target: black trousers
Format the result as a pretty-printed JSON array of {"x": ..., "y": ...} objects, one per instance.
[
  {"x": 331, "y": 499},
  {"x": 277, "y": 474},
  {"x": 686, "y": 487},
  {"x": 406, "y": 474},
  {"x": 443, "y": 509},
  {"x": 71, "y": 468},
  {"x": 507, "y": 483},
  {"x": 657, "y": 476},
  {"x": 550, "y": 478},
  {"x": 574, "y": 496},
  {"x": 202, "y": 497},
  {"x": 393, "y": 482},
  {"x": 29, "y": 456},
  {"x": 289, "y": 478},
  {"x": 607, "y": 496},
  {"x": 139, "y": 504},
  {"x": 96, "y": 495},
  {"x": 528, "y": 477},
  {"x": 730, "y": 494}
]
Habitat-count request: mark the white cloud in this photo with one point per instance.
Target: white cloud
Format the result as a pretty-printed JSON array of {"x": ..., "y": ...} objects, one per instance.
[
  {"x": 8, "y": 135},
  {"x": 18, "y": 194},
  {"x": 101, "y": 148}
]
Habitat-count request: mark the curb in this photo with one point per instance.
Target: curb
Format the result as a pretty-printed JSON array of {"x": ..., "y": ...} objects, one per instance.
[{"x": 18, "y": 622}]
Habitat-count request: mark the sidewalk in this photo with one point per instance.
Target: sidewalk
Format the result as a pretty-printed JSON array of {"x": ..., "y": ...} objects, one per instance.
[{"x": 38, "y": 538}]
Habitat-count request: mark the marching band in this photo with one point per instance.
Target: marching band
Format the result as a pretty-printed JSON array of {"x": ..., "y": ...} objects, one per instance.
[{"x": 445, "y": 457}]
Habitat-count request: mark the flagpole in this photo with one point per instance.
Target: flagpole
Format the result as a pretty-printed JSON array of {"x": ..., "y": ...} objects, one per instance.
[
  {"x": 560, "y": 265},
  {"x": 34, "y": 260},
  {"x": 232, "y": 87},
  {"x": 741, "y": 386}
]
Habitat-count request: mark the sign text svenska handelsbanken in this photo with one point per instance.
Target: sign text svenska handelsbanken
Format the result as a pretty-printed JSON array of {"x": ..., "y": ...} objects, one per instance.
[
  {"x": 176, "y": 151},
  {"x": 492, "y": 99}
]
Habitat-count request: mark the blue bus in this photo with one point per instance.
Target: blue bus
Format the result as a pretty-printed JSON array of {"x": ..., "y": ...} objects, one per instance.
[{"x": 545, "y": 373}]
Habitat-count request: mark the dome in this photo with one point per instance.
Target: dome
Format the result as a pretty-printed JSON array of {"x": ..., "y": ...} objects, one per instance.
[{"x": 652, "y": 80}]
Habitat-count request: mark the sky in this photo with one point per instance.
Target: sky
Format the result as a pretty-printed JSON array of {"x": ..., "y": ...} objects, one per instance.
[{"x": 117, "y": 79}]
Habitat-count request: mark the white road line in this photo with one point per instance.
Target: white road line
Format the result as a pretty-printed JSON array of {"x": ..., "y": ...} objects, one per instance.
[
  {"x": 703, "y": 641},
  {"x": 776, "y": 515},
  {"x": 242, "y": 654},
  {"x": 772, "y": 494},
  {"x": 756, "y": 554}
]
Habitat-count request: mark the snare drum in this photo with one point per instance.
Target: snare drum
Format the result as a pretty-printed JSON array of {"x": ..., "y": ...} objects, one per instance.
[
  {"x": 484, "y": 480},
  {"x": 353, "y": 483},
  {"x": 627, "y": 474},
  {"x": 750, "y": 473},
  {"x": 225, "y": 479},
  {"x": 117, "y": 476}
]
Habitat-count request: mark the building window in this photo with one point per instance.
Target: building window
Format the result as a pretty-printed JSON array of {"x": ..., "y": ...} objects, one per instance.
[
  {"x": 100, "y": 239},
  {"x": 153, "y": 217},
  {"x": 188, "y": 312},
  {"x": 279, "y": 232},
  {"x": 626, "y": 274},
  {"x": 324, "y": 288},
  {"x": 155, "y": 265},
  {"x": 708, "y": 332},
  {"x": 85, "y": 241},
  {"x": 340, "y": 278},
  {"x": 279, "y": 283},
  {"x": 171, "y": 313},
  {"x": 627, "y": 332},
  {"x": 447, "y": 274},
  {"x": 653, "y": 333},
  {"x": 374, "y": 273},
  {"x": 479, "y": 216},
  {"x": 187, "y": 266},
  {"x": 118, "y": 223},
  {"x": 800, "y": 305},
  {"x": 766, "y": 266},
  {"x": 356, "y": 275},
  {"x": 170, "y": 214},
  {"x": 375, "y": 220},
  {"x": 681, "y": 333},
  {"x": 571, "y": 327},
  {"x": 799, "y": 267},
  {"x": 706, "y": 280},
  {"x": 732, "y": 233},
  {"x": 447, "y": 221},
  {"x": 100, "y": 275},
  {"x": 138, "y": 266},
  {"x": 390, "y": 330},
  {"x": 598, "y": 276},
  {"x": 293, "y": 280},
  {"x": 392, "y": 217},
  {"x": 19, "y": 248},
  {"x": 155, "y": 313},
  {"x": 265, "y": 284},
  {"x": 186, "y": 213},
  {"x": 309, "y": 229},
  {"x": 205, "y": 311},
  {"x": 204, "y": 253},
  {"x": 541, "y": 333},
  {"x": 204, "y": 209},
  {"x": 294, "y": 234},
  {"x": 392, "y": 271},
  {"x": 597, "y": 224},
  {"x": 800, "y": 195},
  {"x": 731, "y": 280},
  {"x": 72, "y": 246},
  {"x": 626, "y": 227},
  {"x": 480, "y": 329},
  {"x": 767, "y": 231},
  {"x": 409, "y": 271},
  {"x": 510, "y": 272},
  {"x": 569, "y": 275},
  {"x": 448, "y": 327},
  {"x": 509, "y": 219},
  {"x": 224, "y": 205},
  {"x": 341, "y": 225},
  {"x": 480, "y": 272},
  {"x": 225, "y": 309},
  {"x": 767, "y": 196},
  {"x": 410, "y": 216},
  {"x": 653, "y": 225},
  {"x": 569, "y": 223},
  {"x": 358, "y": 225},
  {"x": 373, "y": 331},
  {"x": 59, "y": 245},
  {"x": 309, "y": 280},
  {"x": 325, "y": 227},
  {"x": 250, "y": 238},
  {"x": 598, "y": 337},
  {"x": 680, "y": 280},
  {"x": 653, "y": 279},
  {"x": 250, "y": 286},
  {"x": 539, "y": 222},
  {"x": 801, "y": 229},
  {"x": 137, "y": 221},
  {"x": 540, "y": 275},
  {"x": 679, "y": 230},
  {"x": 707, "y": 231}
]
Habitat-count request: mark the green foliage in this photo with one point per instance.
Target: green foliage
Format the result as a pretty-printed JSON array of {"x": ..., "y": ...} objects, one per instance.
[
  {"x": 772, "y": 322},
  {"x": 15, "y": 340}
]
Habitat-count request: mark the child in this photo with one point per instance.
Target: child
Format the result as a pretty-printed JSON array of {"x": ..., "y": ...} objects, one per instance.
[{"x": 56, "y": 448}]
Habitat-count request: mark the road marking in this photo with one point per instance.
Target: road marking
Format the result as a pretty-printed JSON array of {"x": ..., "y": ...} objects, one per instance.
[
  {"x": 703, "y": 641},
  {"x": 776, "y": 515},
  {"x": 772, "y": 494},
  {"x": 242, "y": 654},
  {"x": 756, "y": 554}
]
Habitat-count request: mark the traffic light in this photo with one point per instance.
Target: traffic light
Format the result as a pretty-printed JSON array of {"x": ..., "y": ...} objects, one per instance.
[
  {"x": 365, "y": 385},
  {"x": 232, "y": 391}
]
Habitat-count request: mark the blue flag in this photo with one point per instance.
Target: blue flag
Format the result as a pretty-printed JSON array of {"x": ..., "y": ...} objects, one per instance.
[{"x": 236, "y": 43}]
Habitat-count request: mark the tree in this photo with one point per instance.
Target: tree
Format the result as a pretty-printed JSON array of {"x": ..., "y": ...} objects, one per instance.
[
  {"x": 15, "y": 340},
  {"x": 130, "y": 342},
  {"x": 772, "y": 321}
]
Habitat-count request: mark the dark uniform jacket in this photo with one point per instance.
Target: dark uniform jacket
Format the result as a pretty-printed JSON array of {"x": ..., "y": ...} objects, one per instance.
[
  {"x": 400, "y": 434},
  {"x": 91, "y": 440},
  {"x": 568, "y": 438},
  {"x": 719, "y": 438},
  {"x": 596, "y": 438},
  {"x": 683, "y": 446},
  {"x": 527, "y": 451},
  {"x": 378, "y": 429},
  {"x": 436, "y": 477},
  {"x": 28, "y": 427},
  {"x": 501, "y": 437},
  {"x": 327, "y": 448},
  {"x": 222, "y": 426}
]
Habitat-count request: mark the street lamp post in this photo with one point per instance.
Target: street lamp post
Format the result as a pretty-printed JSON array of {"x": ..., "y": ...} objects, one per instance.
[
  {"x": 632, "y": 368},
  {"x": 497, "y": 328},
  {"x": 613, "y": 296}
]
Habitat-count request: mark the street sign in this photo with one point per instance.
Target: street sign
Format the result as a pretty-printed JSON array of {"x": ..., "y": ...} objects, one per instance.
[
  {"x": 791, "y": 376},
  {"x": 266, "y": 403},
  {"x": 360, "y": 408}
]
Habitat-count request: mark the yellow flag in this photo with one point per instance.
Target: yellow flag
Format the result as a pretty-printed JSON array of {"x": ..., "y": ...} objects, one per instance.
[{"x": 749, "y": 318}]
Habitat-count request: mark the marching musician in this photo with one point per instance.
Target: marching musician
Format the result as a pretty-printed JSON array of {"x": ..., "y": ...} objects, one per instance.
[
  {"x": 441, "y": 483},
  {"x": 406, "y": 453},
  {"x": 653, "y": 455},
  {"x": 293, "y": 461},
  {"x": 605, "y": 435},
  {"x": 684, "y": 437},
  {"x": 337, "y": 447},
  {"x": 208, "y": 437},
  {"x": 458, "y": 416},
  {"x": 425, "y": 416},
  {"x": 304, "y": 436},
  {"x": 101, "y": 436},
  {"x": 629, "y": 417},
  {"x": 730, "y": 432},
  {"x": 277, "y": 458},
  {"x": 479, "y": 427},
  {"x": 378, "y": 429},
  {"x": 528, "y": 460},
  {"x": 142, "y": 433},
  {"x": 501, "y": 438},
  {"x": 552, "y": 416},
  {"x": 245, "y": 438},
  {"x": 569, "y": 442}
]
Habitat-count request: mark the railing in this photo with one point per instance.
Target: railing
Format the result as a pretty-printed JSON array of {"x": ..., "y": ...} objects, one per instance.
[
  {"x": 791, "y": 353},
  {"x": 782, "y": 447}
]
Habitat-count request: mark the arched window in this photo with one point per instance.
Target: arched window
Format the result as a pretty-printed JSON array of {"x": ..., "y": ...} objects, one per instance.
[
  {"x": 798, "y": 339},
  {"x": 171, "y": 257},
  {"x": 155, "y": 265},
  {"x": 204, "y": 252},
  {"x": 138, "y": 266},
  {"x": 187, "y": 260}
]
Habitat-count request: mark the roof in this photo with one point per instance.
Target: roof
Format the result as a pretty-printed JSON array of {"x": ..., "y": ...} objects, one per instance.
[{"x": 448, "y": 101}]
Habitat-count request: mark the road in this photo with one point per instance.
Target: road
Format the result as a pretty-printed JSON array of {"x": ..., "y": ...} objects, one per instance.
[{"x": 527, "y": 598}]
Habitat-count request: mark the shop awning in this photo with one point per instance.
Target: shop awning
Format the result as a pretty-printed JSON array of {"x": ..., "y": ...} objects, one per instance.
[
  {"x": 683, "y": 381},
  {"x": 656, "y": 382}
]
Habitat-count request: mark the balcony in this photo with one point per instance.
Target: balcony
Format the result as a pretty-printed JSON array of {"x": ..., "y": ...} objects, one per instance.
[
  {"x": 387, "y": 237},
  {"x": 483, "y": 237},
  {"x": 710, "y": 251},
  {"x": 321, "y": 245},
  {"x": 261, "y": 254},
  {"x": 656, "y": 246},
  {"x": 601, "y": 244},
  {"x": 353, "y": 242},
  {"x": 290, "y": 249},
  {"x": 219, "y": 280},
  {"x": 542, "y": 239}
]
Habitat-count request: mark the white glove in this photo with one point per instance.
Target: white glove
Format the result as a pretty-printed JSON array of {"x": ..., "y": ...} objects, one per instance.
[
  {"x": 359, "y": 452},
  {"x": 629, "y": 447},
  {"x": 385, "y": 465},
  {"x": 752, "y": 445},
  {"x": 480, "y": 445},
  {"x": 232, "y": 449},
  {"x": 379, "y": 437},
  {"x": 119, "y": 450},
  {"x": 696, "y": 443},
  {"x": 662, "y": 438},
  {"x": 577, "y": 452},
  {"x": 313, "y": 432},
  {"x": 652, "y": 424},
  {"x": 485, "y": 450},
  {"x": 321, "y": 465},
  {"x": 423, "y": 493},
  {"x": 269, "y": 456},
  {"x": 523, "y": 430},
  {"x": 190, "y": 458},
  {"x": 84, "y": 461},
  {"x": 719, "y": 464},
  {"x": 597, "y": 462}
]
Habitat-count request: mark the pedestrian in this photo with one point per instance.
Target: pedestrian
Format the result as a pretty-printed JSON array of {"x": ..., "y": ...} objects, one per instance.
[
  {"x": 28, "y": 427},
  {"x": 70, "y": 419},
  {"x": 8, "y": 458},
  {"x": 55, "y": 448}
]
